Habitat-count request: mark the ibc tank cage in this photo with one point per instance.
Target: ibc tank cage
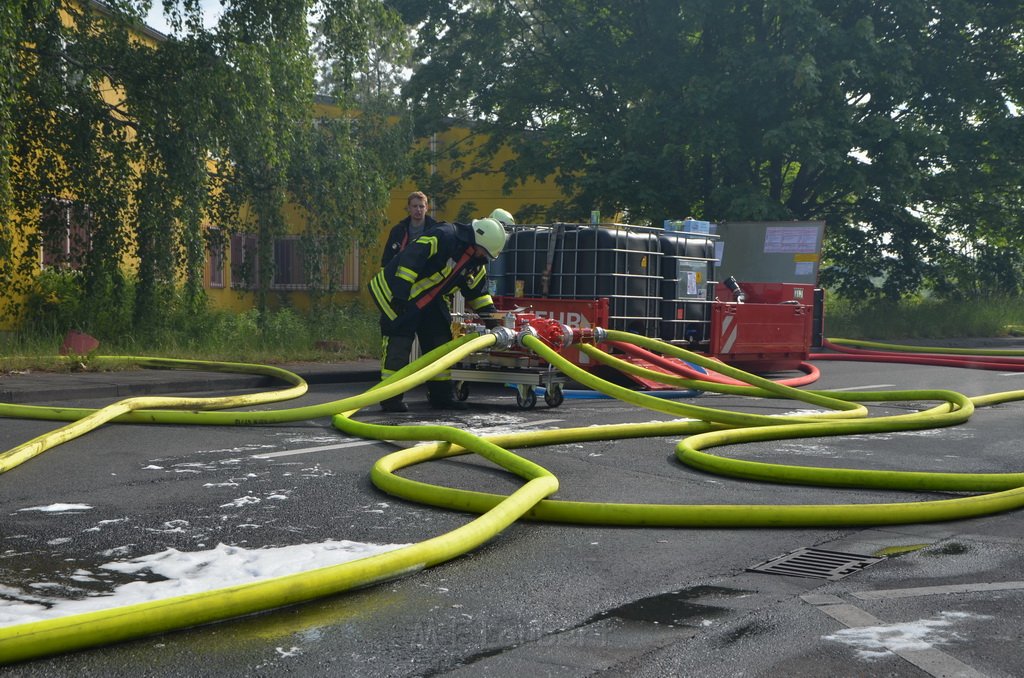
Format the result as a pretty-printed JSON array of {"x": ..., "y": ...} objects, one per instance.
[
  {"x": 687, "y": 285},
  {"x": 619, "y": 262}
]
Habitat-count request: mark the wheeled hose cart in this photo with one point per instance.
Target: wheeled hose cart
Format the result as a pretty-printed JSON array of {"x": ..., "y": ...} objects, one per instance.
[{"x": 524, "y": 381}]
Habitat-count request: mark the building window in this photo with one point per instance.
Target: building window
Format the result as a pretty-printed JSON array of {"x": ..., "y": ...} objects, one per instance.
[
  {"x": 289, "y": 268},
  {"x": 290, "y": 271},
  {"x": 244, "y": 261},
  {"x": 347, "y": 278},
  {"x": 215, "y": 258},
  {"x": 64, "y": 226}
]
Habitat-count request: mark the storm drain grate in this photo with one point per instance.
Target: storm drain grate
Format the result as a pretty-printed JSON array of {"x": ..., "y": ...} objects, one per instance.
[{"x": 816, "y": 563}]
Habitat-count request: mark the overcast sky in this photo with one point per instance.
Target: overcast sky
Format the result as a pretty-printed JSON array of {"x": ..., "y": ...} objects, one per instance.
[{"x": 155, "y": 18}]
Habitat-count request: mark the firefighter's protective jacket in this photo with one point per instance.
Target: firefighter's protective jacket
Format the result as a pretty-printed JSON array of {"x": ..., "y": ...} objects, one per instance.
[
  {"x": 428, "y": 269},
  {"x": 398, "y": 238}
]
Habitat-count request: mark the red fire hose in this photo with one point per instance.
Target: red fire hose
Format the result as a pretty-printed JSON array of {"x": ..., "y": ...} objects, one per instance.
[
  {"x": 684, "y": 370},
  {"x": 954, "y": 358}
]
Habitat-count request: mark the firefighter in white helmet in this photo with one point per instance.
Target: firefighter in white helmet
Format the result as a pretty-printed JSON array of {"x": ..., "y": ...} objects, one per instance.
[
  {"x": 502, "y": 216},
  {"x": 410, "y": 291}
]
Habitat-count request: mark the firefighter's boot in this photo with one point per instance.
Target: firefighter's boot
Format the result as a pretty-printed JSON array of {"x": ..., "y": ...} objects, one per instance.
[
  {"x": 440, "y": 397},
  {"x": 395, "y": 404}
]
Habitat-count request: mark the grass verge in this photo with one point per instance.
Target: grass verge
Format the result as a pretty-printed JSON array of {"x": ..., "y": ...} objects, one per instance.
[{"x": 351, "y": 332}]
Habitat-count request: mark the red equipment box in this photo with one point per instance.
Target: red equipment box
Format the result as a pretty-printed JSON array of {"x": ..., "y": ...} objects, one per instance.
[{"x": 771, "y": 331}]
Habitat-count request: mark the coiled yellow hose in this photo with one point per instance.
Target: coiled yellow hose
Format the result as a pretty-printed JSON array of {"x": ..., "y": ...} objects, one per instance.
[{"x": 708, "y": 428}]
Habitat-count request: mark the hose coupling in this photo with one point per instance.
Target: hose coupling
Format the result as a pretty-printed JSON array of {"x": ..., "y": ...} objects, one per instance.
[
  {"x": 527, "y": 331},
  {"x": 504, "y": 337},
  {"x": 562, "y": 336},
  {"x": 589, "y": 335}
]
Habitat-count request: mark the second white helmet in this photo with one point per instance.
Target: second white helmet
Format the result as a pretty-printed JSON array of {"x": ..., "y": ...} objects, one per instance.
[{"x": 503, "y": 216}]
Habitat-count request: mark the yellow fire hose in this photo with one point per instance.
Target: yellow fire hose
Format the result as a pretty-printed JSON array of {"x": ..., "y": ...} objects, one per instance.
[
  {"x": 708, "y": 428},
  {"x": 957, "y": 409}
]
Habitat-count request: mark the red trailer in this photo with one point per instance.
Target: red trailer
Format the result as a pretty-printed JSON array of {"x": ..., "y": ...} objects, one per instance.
[
  {"x": 771, "y": 331},
  {"x": 663, "y": 284}
]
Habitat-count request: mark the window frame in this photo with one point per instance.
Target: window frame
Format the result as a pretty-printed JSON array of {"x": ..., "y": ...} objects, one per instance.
[
  {"x": 68, "y": 251},
  {"x": 244, "y": 249},
  {"x": 344, "y": 274},
  {"x": 215, "y": 260},
  {"x": 295, "y": 266}
]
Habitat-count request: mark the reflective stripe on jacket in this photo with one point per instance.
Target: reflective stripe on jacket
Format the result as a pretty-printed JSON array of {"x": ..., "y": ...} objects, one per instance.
[{"x": 433, "y": 265}]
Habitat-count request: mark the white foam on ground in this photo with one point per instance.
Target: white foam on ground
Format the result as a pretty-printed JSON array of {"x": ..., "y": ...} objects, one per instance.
[
  {"x": 875, "y": 642},
  {"x": 58, "y": 508},
  {"x": 184, "y": 573}
]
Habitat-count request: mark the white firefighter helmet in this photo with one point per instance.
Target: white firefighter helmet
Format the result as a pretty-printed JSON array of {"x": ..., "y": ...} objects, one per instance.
[
  {"x": 489, "y": 234},
  {"x": 503, "y": 216}
]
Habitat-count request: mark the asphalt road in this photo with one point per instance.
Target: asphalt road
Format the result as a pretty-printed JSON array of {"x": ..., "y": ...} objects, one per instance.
[{"x": 540, "y": 599}]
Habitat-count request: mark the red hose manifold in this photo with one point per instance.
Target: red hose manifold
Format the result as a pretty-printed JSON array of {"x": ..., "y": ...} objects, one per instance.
[{"x": 553, "y": 333}]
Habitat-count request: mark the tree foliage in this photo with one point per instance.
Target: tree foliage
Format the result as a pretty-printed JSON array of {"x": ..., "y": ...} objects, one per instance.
[
  {"x": 206, "y": 126},
  {"x": 897, "y": 122}
]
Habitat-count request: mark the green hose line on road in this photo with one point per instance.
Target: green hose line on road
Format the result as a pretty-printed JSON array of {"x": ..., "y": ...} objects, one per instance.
[
  {"x": 822, "y": 398},
  {"x": 410, "y": 376},
  {"x": 27, "y": 641},
  {"x": 907, "y": 348},
  {"x": 681, "y": 515},
  {"x": 97, "y": 418},
  {"x": 765, "y": 385},
  {"x": 64, "y": 634},
  {"x": 139, "y": 409},
  {"x": 827, "y": 398},
  {"x": 686, "y": 410},
  {"x": 706, "y": 428},
  {"x": 955, "y": 409}
]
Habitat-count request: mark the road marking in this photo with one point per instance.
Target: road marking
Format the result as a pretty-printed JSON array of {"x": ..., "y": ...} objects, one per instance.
[
  {"x": 884, "y": 594},
  {"x": 930, "y": 660},
  {"x": 307, "y": 450},
  {"x": 1011, "y": 374},
  {"x": 358, "y": 443},
  {"x": 541, "y": 422},
  {"x": 863, "y": 388}
]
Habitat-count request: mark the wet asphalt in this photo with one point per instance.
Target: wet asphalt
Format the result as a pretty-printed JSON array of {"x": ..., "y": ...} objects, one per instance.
[{"x": 931, "y": 599}]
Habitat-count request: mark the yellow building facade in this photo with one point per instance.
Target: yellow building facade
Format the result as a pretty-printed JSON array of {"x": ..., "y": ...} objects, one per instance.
[
  {"x": 479, "y": 194},
  {"x": 450, "y": 152}
]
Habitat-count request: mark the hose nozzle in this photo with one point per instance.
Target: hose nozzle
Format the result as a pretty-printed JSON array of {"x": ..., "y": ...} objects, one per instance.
[{"x": 738, "y": 295}]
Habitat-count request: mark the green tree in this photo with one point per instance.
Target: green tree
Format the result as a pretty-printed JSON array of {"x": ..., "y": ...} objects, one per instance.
[
  {"x": 154, "y": 138},
  {"x": 897, "y": 122}
]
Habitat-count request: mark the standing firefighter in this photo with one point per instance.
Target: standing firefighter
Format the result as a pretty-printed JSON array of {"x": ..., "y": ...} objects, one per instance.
[
  {"x": 410, "y": 228},
  {"x": 410, "y": 292}
]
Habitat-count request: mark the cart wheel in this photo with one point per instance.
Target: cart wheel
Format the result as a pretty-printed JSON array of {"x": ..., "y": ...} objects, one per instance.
[
  {"x": 462, "y": 390},
  {"x": 526, "y": 398},
  {"x": 553, "y": 396}
]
